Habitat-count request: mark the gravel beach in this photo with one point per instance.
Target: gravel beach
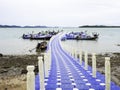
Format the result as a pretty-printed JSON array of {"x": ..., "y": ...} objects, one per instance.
[{"x": 13, "y": 71}]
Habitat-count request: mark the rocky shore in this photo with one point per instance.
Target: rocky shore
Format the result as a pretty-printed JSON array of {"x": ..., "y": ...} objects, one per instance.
[
  {"x": 13, "y": 69},
  {"x": 115, "y": 65}
]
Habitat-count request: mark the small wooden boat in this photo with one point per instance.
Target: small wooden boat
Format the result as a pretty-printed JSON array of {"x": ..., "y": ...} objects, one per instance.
[{"x": 42, "y": 46}]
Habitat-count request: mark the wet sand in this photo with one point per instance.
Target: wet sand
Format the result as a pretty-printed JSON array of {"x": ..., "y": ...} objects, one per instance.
[{"x": 13, "y": 69}]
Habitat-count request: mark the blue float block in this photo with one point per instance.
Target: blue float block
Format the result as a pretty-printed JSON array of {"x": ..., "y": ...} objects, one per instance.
[
  {"x": 94, "y": 83},
  {"x": 51, "y": 86},
  {"x": 47, "y": 88},
  {"x": 66, "y": 77},
  {"x": 52, "y": 82},
  {"x": 98, "y": 87},
  {"x": 53, "y": 75},
  {"x": 79, "y": 82},
  {"x": 66, "y": 81},
  {"x": 115, "y": 87},
  {"x": 52, "y": 78},
  {"x": 37, "y": 86},
  {"x": 82, "y": 87},
  {"x": 63, "y": 73},
  {"x": 67, "y": 86}
]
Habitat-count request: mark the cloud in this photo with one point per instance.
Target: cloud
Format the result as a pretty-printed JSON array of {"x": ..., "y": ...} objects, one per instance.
[{"x": 59, "y": 12}]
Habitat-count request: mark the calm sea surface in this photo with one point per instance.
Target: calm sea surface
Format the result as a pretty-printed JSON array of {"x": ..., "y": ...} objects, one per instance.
[{"x": 12, "y": 43}]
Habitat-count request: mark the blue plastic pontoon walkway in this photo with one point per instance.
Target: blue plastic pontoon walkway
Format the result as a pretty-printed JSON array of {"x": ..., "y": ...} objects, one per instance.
[{"x": 66, "y": 73}]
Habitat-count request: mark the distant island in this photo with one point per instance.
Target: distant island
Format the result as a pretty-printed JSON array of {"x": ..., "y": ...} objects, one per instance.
[
  {"x": 15, "y": 26},
  {"x": 98, "y": 26},
  {"x": 38, "y": 26}
]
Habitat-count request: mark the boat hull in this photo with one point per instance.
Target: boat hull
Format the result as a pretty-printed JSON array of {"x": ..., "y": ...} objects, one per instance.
[
  {"x": 41, "y": 46},
  {"x": 91, "y": 38}
]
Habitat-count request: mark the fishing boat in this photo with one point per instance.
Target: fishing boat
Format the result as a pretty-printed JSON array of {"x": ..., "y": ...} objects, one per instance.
[
  {"x": 70, "y": 36},
  {"x": 81, "y": 36},
  {"x": 26, "y": 36},
  {"x": 41, "y": 37},
  {"x": 42, "y": 46},
  {"x": 46, "y": 35},
  {"x": 37, "y": 36},
  {"x": 63, "y": 38},
  {"x": 87, "y": 37}
]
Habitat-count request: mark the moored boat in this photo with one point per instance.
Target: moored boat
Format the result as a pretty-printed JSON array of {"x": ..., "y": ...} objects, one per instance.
[
  {"x": 26, "y": 36},
  {"x": 42, "y": 46},
  {"x": 41, "y": 37},
  {"x": 87, "y": 37},
  {"x": 46, "y": 35},
  {"x": 81, "y": 36}
]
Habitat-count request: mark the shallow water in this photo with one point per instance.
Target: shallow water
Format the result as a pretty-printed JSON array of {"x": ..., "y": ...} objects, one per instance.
[{"x": 12, "y": 43}]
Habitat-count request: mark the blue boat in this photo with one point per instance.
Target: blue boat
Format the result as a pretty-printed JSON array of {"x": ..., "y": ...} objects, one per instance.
[
  {"x": 81, "y": 36},
  {"x": 40, "y": 36},
  {"x": 26, "y": 36}
]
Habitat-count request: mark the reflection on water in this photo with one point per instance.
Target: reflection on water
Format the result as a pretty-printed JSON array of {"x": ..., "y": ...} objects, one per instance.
[{"x": 12, "y": 43}]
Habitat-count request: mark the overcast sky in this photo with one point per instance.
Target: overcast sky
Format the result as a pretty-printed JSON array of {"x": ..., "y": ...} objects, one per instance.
[{"x": 60, "y": 12}]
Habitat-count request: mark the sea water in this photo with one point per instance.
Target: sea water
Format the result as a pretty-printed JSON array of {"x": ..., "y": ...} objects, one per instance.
[{"x": 11, "y": 41}]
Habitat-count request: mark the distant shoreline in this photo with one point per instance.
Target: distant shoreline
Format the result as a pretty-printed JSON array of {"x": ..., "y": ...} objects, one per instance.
[
  {"x": 38, "y": 26},
  {"x": 15, "y": 26},
  {"x": 97, "y": 26}
]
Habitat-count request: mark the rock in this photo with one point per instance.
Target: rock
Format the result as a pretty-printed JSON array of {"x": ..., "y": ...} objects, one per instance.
[
  {"x": 36, "y": 70},
  {"x": 6, "y": 89},
  {"x": 3, "y": 71},
  {"x": 1, "y": 55},
  {"x": 6, "y": 67},
  {"x": 118, "y": 44},
  {"x": 24, "y": 71}
]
